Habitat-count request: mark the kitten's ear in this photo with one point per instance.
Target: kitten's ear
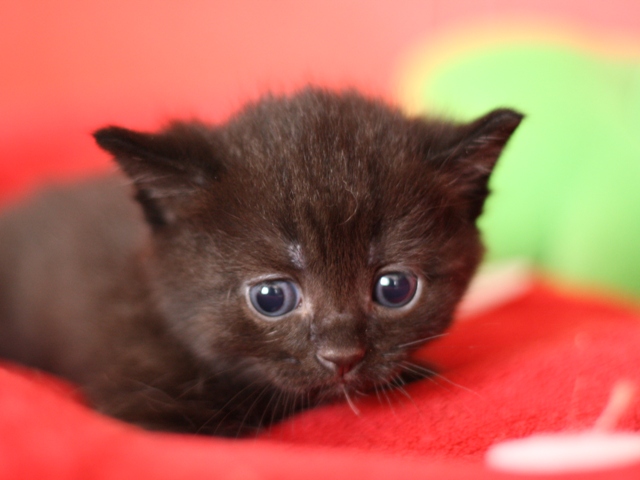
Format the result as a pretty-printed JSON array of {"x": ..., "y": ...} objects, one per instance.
[
  {"x": 167, "y": 168},
  {"x": 475, "y": 149}
]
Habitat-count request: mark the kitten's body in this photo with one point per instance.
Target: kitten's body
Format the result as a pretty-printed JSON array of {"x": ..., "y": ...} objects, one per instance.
[{"x": 154, "y": 319}]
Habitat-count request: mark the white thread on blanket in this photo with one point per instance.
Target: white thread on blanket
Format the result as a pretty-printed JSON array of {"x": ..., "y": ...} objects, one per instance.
[{"x": 595, "y": 449}]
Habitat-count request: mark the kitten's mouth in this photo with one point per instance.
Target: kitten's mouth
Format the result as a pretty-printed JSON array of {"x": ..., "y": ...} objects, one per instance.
[
  {"x": 354, "y": 383},
  {"x": 337, "y": 382}
]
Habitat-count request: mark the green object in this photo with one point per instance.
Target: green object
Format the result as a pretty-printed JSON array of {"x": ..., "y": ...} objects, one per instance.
[{"x": 566, "y": 193}]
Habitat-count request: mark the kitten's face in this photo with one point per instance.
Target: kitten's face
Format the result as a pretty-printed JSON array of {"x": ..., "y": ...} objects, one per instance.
[{"x": 315, "y": 241}]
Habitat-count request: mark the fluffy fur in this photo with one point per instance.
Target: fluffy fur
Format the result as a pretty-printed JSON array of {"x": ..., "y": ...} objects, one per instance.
[{"x": 147, "y": 308}]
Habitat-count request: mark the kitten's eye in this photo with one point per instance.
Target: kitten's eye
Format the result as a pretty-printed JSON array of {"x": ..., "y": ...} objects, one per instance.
[
  {"x": 274, "y": 299},
  {"x": 394, "y": 290}
]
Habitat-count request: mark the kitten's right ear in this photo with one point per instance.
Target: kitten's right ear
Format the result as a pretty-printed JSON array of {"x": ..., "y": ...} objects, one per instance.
[
  {"x": 473, "y": 151},
  {"x": 167, "y": 168}
]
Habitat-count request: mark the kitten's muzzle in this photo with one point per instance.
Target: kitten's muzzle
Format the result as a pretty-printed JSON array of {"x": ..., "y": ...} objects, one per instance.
[{"x": 340, "y": 360}]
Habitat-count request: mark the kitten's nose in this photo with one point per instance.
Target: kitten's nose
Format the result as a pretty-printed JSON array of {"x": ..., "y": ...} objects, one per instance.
[{"x": 340, "y": 360}]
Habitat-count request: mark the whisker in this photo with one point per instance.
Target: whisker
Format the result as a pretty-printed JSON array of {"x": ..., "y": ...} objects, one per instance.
[
  {"x": 247, "y": 413},
  {"x": 375, "y": 389},
  {"x": 225, "y": 406},
  {"x": 423, "y": 373},
  {"x": 350, "y": 402},
  {"x": 400, "y": 386},
  {"x": 429, "y": 373},
  {"x": 410, "y": 367},
  {"x": 272, "y": 419},
  {"x": 200, "y": 381},
  {"x": 288, "y": 405},
  {"x": 295, "y": 407},
  {"x": 422, "y": 340},
  {"x": 456, "y": 384},
  {"x": 393, "y": 410}
]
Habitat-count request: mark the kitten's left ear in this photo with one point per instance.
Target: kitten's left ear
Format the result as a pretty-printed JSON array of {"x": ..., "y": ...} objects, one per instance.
[
  {"x": 167, "y": 168},
  {"x": 471, "y": 157}
]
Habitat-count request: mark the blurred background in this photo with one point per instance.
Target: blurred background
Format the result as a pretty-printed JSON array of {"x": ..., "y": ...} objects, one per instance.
[{"x": 567, "y": 192}]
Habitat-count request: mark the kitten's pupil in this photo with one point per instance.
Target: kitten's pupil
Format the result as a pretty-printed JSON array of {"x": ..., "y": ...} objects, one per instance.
[
  {"x": 395, "y": 290},
  {"x": 274, "y": 299}
]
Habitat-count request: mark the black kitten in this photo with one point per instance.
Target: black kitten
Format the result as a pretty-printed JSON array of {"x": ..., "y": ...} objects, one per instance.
[{"x": 296, "y": 254}]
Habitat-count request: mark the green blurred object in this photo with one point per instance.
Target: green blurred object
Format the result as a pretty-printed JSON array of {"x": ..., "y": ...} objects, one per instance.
[{"x": 566, "y": 193}]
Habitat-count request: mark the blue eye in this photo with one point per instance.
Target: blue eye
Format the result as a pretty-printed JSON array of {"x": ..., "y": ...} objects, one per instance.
[
  {"x": 275, "y": 298},
  {"x": 395, "y": 289}
]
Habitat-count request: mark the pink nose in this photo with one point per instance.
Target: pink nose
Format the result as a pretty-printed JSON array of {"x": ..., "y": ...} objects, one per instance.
[{"x": 340, "y": 360}]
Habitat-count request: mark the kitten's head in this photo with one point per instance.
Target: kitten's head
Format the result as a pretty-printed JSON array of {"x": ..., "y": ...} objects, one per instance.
[{"x": 314, "y": 240}]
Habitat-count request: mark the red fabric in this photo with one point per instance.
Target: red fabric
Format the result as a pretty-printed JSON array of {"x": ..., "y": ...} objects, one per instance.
[{"x": 544, "y": 363}]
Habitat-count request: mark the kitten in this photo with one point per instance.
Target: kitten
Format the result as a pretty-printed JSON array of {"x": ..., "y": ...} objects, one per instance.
[{"x": 296, "y": 254}]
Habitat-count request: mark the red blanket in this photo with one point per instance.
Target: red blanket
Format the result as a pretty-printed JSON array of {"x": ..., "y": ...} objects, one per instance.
[{"x": 546, "y": 362}]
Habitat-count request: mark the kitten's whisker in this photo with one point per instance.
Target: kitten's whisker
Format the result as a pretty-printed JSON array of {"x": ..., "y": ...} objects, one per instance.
[
  {"x": 432, "y": 373},
  {"x": 272, "y": 418},
  {"x": 397, "y": 381},
  {"x": 286, "y": 406},
  {"x": 273, "y": 395},
  {"x": 409, "y": 367},
  {"x": 293, "y": 403},
  {"x": 226, "y": 405},
  {"x": 456, "y": 384},
  {"x": 384, "y": 392},
  {"x": 421, "y": 340},
  {"x": 271, "y": 408},
  {"x": 200, "y": 381},
  {"x": 350, "y": 402},
  {"x": 399, "y": 384},
  {"x": 375, "y": 389},
  {"x": 402, "y": 390},
  {"x": 250, "y": 409},
  {"x": 150, "y": 389}
]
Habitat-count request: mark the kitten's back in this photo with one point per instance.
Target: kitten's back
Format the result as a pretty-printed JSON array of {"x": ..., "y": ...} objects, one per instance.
[{"x": 59, "y": 256}]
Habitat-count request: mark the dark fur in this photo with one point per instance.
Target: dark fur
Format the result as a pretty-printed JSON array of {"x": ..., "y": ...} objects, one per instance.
[{"x": 151, "y": 318}]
